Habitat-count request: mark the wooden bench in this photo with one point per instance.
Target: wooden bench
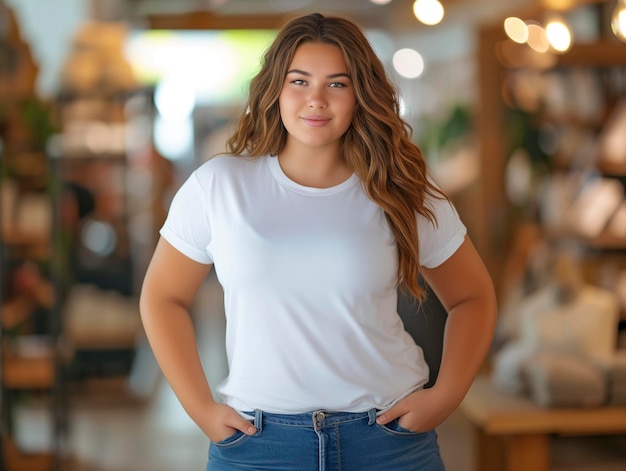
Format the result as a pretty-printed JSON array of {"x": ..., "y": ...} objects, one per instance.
[{"x": 513, "y": 434}]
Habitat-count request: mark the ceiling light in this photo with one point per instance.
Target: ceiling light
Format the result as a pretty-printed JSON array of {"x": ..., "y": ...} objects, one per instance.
[{"x": 429, "y": 12}]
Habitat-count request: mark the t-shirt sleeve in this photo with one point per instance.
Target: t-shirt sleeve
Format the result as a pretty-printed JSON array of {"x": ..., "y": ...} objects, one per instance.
[
  {"x": 187, "y": 227},
  {"x": 439, "y": 241}
]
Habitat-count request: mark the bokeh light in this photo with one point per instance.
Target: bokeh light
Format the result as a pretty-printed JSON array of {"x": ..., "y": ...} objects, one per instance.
[
  {"x": 429, "y": 12},
  {"x": 408, "y": 63},
  {"x": 516, "y": 29}
]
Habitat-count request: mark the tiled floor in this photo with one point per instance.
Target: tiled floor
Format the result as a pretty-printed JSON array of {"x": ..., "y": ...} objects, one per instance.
[{"x": 111, "y": 431}]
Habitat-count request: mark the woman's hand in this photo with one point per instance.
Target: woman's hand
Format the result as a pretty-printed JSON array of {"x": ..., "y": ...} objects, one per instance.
[
  {"x": 219, "y": 421},
  {"x": 165, "y": 302},
  {"x": 421, "y": 411},
  {"x": 464, "y": 287}
]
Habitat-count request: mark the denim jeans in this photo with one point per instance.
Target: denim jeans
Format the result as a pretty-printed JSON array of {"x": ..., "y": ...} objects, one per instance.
[{"x": 326, "y": 441}]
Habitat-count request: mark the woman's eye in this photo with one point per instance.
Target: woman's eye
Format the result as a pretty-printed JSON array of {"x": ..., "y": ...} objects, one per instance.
[
  {"x": 337, "y": 85},
  {"x": 298, "y": 82}
]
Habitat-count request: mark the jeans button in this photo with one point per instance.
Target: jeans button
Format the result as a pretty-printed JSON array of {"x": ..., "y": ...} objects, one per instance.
[{"x": 320, "y": 416}]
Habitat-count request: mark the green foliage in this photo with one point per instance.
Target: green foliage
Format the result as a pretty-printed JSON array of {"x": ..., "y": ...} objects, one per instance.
[
  {"x": 38, "y": 117},
  {"x": 441, "y": 133},
  {"x": 523, "y": 133}
]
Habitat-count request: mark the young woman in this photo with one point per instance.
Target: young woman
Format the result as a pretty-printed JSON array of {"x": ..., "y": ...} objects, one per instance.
[{"x": 321, "y": 210}]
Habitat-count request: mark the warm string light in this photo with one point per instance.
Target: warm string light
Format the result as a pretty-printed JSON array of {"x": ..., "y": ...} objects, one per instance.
[
  {"x": 516, "y": 30},
  {"x": 559, "y": 34},
  {"x": 618, "y": 20},
  {"x": 429, "y": 12},
  {"x": 537, "y": 37},
  {"x": 556, "y": 36}
]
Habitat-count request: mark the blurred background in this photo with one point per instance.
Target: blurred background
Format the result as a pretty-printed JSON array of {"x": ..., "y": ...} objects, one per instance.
[{"x": 106, "y": 106}]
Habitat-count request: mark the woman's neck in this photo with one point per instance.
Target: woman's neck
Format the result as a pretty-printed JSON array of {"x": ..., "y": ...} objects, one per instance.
[{"x": 316, "y": 168}]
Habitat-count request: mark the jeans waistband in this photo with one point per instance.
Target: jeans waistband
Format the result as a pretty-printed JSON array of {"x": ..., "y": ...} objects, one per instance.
[{"x": 316, "y": 419}]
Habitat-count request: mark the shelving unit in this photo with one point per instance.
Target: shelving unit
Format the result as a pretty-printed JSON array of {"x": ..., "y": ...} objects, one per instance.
[
  {"x": 603, "y": 64},
  {"x": 111, "y": 241},
  {"x": 563, "y": 105},
  {"x": 30, "y": 361},
  {"x": 33, "y": 359},
  {"x": 62, "y": 200}
]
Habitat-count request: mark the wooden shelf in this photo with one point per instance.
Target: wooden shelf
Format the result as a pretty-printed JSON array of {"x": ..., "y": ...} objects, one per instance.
[
  {"x": 513, "y": 434},
  {"x": 28, "y": 373},
  {"x": 615, "y": 169},
  {"x": 600, "y": 54},
  {"x": 103, "y": 341},
  {"x": 18, "y": 460},
  {"x": 499, "y": 413},
  {"x": 21, "y": 239},
  {"x": 606, "y": 241}
]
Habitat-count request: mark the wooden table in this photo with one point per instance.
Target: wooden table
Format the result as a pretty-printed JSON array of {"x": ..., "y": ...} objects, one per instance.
[{"x": 513, "y": 434}]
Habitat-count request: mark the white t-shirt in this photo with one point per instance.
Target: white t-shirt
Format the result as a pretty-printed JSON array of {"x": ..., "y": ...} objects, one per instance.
[{"x": 309, "y": 278}]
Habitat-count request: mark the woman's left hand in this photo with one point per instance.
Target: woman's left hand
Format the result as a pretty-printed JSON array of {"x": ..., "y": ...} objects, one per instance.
[
  {"x": 464, "y": 287},
  {"x": 421, "y": 411}
]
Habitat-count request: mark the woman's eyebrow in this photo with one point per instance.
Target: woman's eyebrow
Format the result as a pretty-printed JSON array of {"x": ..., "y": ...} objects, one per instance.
[{"x": 308, "y": 74}]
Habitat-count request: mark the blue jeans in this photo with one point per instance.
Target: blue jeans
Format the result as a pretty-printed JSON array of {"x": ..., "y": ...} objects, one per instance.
[{"x": 325, "y": 441}]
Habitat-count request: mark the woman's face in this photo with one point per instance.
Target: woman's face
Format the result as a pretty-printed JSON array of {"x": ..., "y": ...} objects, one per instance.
[{"x": 317, "y": 100}]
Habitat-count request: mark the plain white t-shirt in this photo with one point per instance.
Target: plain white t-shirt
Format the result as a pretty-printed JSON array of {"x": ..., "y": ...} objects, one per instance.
[{"x": 309, "y": 278}]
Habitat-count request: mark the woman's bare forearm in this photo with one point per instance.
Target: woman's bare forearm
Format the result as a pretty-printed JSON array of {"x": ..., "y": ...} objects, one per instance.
[
  {"x": 171, "y": 335},
  {"x": 467, "y": 339},
  {"x": 169, "y": 289}
]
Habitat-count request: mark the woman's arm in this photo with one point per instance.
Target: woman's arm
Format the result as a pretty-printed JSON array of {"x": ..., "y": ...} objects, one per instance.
[
  {"x": 169, "y": 288},
  {"x": 466, "y": 291}
]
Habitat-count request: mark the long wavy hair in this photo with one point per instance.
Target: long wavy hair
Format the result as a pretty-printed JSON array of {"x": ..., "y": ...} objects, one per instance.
[{"x": 377, "y": 146}]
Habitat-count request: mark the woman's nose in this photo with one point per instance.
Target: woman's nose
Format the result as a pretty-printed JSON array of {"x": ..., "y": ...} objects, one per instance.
[{"x": 316, "y": 98}]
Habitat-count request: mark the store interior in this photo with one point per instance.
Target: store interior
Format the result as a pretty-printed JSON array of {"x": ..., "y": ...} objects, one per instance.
[{"x": 106, "y": 106}]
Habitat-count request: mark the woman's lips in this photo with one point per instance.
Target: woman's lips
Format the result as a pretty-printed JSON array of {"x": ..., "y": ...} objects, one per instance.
[{"x": 315, "y": 121}]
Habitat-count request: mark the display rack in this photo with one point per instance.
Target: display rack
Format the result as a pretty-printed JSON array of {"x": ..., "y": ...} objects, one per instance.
[
  {"x": 558, "y": 109},
  {"x": 111, "y": 241},
  {"x": 28, "y": 336}
]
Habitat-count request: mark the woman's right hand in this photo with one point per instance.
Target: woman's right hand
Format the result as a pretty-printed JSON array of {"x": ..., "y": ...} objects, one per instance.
[{"x": 221, "y": 421}]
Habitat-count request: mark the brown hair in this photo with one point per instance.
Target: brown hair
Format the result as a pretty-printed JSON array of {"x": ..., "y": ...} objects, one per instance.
[{"x": 377, "y": 146}]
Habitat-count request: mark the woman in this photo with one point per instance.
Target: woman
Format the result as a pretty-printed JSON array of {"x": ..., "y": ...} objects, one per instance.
[{"x": 321, "y": 210}]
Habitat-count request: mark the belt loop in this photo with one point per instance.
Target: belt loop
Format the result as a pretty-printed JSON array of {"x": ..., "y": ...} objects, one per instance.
[
  {"x": 258, "y": 419},
  {"x": 372, "y": 416}
]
